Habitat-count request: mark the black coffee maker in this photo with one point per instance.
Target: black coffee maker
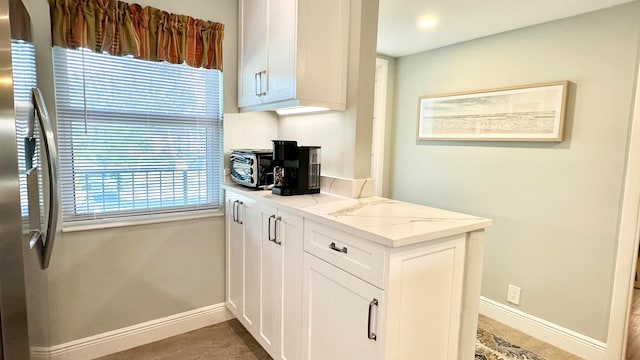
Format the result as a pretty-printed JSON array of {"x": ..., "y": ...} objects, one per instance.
[{"x": 296, "y": 169}]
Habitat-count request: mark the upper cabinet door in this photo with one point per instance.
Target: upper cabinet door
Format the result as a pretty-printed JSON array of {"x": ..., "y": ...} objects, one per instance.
[
  {"x": 293, "y": 53},
  {"x": 253, "y": 45},
  {"x": 281, "y": 74}
]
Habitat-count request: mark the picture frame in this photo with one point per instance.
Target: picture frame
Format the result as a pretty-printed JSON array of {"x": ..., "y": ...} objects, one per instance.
[{"x": 521, "y": 113}]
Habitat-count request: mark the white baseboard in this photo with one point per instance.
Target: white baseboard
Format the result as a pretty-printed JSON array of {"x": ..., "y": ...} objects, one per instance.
[
  {"x": 140, "y": 334},
  {"x": 558, "y": 336}
]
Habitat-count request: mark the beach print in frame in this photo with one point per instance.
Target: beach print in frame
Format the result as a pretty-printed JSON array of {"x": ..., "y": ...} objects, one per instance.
[{"x": 524, "y": 113}]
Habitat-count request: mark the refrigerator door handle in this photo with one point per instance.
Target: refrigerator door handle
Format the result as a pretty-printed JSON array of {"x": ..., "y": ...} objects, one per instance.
[{"x": 51, "y": 152}]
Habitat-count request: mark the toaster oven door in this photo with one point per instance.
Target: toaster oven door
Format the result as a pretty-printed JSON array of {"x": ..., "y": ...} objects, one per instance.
[{"x": 242, "y": 168}]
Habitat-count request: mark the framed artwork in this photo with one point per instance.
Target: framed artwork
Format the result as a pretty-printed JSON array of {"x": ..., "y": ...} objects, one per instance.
[{"x": 523, "y": 113}]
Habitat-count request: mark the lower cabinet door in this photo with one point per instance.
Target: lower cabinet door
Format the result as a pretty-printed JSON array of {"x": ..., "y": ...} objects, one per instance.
[
  {"x": 281, "y": 284},
  {"x": 342, "y": 314},
  {"x": 234, "y": 251},
  {"x": 290, "y": 237},
  {"x": 270, "y": 285},
  {"x": 251, "y": 267}
]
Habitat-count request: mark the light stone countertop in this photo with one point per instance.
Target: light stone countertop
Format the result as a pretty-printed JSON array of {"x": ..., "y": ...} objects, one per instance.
[{"x": 388, "y": 222}]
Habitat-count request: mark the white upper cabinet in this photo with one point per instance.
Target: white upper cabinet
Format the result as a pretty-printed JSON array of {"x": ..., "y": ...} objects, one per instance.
[{"x": 293, "y": 53}]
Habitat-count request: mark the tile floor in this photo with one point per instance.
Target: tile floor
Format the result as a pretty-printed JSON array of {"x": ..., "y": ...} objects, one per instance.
[
  {"x": 633, "y": 340},
  {"x": 523, "y": 340},
  {"x": 223, "y": 341},
  {"x": 230, "y": 341}
]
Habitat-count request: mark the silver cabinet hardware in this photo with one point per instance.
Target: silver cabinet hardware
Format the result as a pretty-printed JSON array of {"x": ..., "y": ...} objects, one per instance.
[
  {"x": 274, "y": 239},
  {"x": 271, "y": 238},
  {"x": 257, "y": 83},
  {"x": 236, "y": 212},
  {"x": 371, "y": 333},
  {"x": 333, "y": 247},
  {"x": 264, "y": 91}
]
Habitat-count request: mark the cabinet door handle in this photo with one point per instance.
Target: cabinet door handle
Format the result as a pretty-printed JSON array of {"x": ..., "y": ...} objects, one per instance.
[
  {"x": 333, "y": 247},
  {"x": 257, "y": 83},
  {"x": 275, "y": 233},
  {"x": 234, "y": 212},
  {"x": 269, "y": 237},
  {"x": 240, "y": 203},
  {"x": 264, "y": 91},
  {"x": 371, "y": 334}
]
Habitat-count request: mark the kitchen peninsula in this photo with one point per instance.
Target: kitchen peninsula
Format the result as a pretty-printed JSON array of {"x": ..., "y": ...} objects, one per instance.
[{"x": 326, "y": 277}]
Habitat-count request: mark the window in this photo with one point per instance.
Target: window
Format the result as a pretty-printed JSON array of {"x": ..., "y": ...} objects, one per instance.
[
  {"x": 23, "y": 60},
  {"x": 136, "y": 137}
]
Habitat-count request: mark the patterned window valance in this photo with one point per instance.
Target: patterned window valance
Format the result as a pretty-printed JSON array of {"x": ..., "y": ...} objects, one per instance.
[{"x": 147, "y": 33}]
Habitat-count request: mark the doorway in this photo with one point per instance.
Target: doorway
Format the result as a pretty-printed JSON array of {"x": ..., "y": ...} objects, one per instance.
[{"x": 628, "y": 241}]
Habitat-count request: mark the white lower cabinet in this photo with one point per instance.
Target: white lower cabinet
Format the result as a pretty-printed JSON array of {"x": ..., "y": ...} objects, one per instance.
[
  {"x": 264, "y": 274},
  {"x": 365, "y": 301},
  {"x": 281, "y": 284},
  {"x": 308, "y": 291},
  {"x": 341, "y": 314},
  {"x": 243, "y": 259},
  {"x": 424, "y": 311}
]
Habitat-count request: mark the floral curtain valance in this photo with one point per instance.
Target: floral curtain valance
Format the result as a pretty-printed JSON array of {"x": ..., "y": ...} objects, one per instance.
[{"x": 147, "y": 33}]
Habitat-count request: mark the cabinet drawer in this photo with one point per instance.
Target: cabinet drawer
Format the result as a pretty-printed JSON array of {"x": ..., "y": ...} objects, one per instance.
[{"x": 353, "y": 254}]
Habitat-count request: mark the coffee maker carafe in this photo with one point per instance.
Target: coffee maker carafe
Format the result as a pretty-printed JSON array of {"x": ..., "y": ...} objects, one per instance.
[{"x": 296, "y": 168}]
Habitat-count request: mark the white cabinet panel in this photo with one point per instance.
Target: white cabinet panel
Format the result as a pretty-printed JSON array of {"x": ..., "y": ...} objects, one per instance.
[
  {"x": 291, "y": 227},
  {"x": 281, "y": 283},
  {"x": 270, "y": 284},
  {"x": 424, "y": 301},
  {"x": 243, "y": 259},
  {"x": 280, "y": 79},
  {"x": 234, "y": 242},
  {"x": 293, "y": 52},
  {"x": 340, "y": 313},
  {"x": 251, "y": 265},
  {"x": 252, "y": 50}
]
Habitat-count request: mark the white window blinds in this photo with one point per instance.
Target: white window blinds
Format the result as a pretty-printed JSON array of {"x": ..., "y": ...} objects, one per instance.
[
  {"x": 23, "y": 58},
  {"x": 136, "y": 137}
]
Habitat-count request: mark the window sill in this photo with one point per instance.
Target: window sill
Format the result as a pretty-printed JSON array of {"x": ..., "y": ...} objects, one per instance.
[{"x": 141, "y": 220}]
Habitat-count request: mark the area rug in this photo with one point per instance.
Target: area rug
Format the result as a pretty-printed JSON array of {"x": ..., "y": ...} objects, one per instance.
[{"x": 491, "y": 347}]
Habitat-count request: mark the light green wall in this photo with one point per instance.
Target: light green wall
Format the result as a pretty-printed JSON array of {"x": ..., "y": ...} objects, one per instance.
[
  {"x": 555, "y": 206},
  {"x": 107, "y": 279}
]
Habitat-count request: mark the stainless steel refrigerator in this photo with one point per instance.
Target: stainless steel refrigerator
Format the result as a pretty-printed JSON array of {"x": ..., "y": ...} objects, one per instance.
[{"x": 28, "y": 190}]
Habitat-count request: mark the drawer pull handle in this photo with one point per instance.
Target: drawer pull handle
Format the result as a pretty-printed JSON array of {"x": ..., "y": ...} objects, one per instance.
[
  {"x": 333, "y": 247},
  {"x": 371, "y": 334}
]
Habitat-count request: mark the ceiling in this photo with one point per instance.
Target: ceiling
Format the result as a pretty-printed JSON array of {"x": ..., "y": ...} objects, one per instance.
[{"x": 462, "y": 20}]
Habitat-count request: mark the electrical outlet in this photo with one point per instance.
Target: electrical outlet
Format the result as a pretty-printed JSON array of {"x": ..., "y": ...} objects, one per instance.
[{"x": 513, "y": 294}]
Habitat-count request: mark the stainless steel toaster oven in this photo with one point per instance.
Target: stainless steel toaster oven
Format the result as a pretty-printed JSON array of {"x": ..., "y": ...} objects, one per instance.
[{"x": 252, "y": 167}]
